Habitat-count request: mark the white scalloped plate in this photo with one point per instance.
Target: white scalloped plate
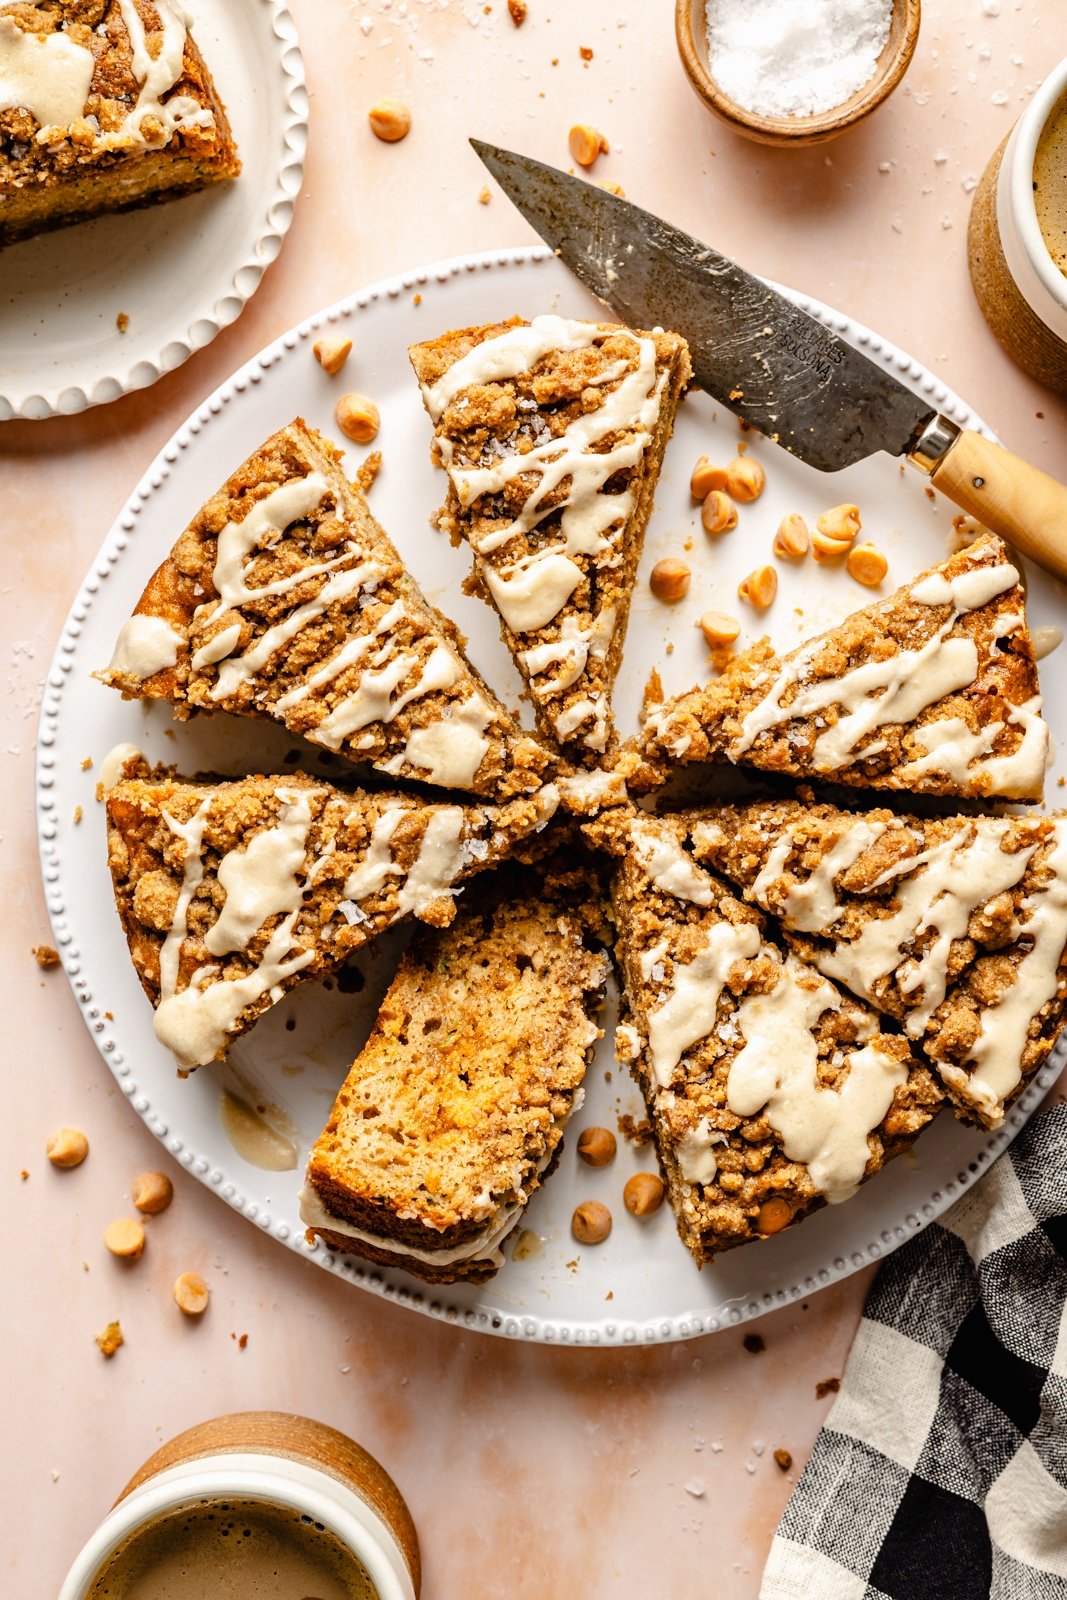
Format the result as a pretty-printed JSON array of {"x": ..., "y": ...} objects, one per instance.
[
  {"x": 641, "y": 1285},
  {"x": 180, "y": 272}
]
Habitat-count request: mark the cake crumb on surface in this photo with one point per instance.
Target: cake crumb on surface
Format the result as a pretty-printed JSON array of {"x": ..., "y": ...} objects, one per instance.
[
  {"x": 783, "y": 1459},
  {"x": 45, "y": 956},
  {"x": 110, "y": 1339},
  {"x": 826, "y": 1386},
  {"x": 754, "y": 1343},
  {"x": 122, "y": 321}
]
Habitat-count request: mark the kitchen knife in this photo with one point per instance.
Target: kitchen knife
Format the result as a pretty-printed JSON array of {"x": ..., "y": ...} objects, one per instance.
[{"x": 770, "y": 362}]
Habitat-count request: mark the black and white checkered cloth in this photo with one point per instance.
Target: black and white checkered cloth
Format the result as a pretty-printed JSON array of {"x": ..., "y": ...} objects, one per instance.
[{"x": 941, "y": 1471}]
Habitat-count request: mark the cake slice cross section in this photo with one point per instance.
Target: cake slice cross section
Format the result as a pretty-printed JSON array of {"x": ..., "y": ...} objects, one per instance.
[
  {"x": 956, "y": 927},
  {"x": 285, "y": 599},
  {"x": 552, "y": 434},
  {"x": 453, "y": 1113},
  {"x": 770, "y": 1089},
  {"x": 933, "y": 690},
  {"x": 231, "y": 893}
]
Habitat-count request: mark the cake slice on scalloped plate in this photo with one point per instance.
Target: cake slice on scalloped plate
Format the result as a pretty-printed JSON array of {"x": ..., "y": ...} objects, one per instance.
[
  {"x": 552, "y": 434},
  {"x": 933, "y": 690},
  {"x": 771, "y": 1091},
  {"x": 285, "y": 599}
]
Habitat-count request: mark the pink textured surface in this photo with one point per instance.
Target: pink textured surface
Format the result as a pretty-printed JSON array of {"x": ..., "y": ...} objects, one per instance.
[{"x": 530, "y": 1471}]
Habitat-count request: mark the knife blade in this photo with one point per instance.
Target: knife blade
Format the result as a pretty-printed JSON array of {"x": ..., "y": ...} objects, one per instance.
[{"x": 770, "y": 362}]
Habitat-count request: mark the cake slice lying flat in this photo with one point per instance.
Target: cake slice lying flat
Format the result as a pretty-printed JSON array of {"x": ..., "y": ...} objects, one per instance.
[
  {"x": 552, "y": 434},
  {"x": 770, "y": 1090},
  {"x": 104, "y": 105},
  {"x": 231, "y": 893},
  {"x": 454, "y": 1111},
  {"x": 933, "y": 690},
  {"x": 956, "y": 927},
  {"x": 285, "y": 599}
]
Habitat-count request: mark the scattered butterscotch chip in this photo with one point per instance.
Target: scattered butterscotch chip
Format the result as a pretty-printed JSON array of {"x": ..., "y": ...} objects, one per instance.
[
  {"x": 191, "y": 1294},
  {"x": 45, "y": 956},
  {"x": 585, "y": 52},
  {"x": 867, "y": 565},
  {"x": 827, "y": 1386},
  {"x": 718, "y": 514},
  {"x": 110, "y": 1339},
  {"x": 643, "y": 1194},
  {"x": 67, "y": 1147},
  {"x": 719, "y": 629},
  {"x": 331, "y": 352},
  {"x": 774, "y": 1215},
  {"x": 783, "y": 1459},
  {"x": 124, "y": 1238},
  {"x": 823, "y": 548},
  {"x": 596, "y": 1146},
  {"x": 390, "y": 120},
  {"x": 586, "y": 143},
  {"x": 484, "y": 196},
  {"x": 242, "y": 1343},
  {"x": 840, "y": 522},
  {"x": 517, "y": 10},
  {"x": 705, "y": 477},
  {"x": 792, "y": 540},
  {"x": 591, "y": 1222},
  {"x": 368, "y": 470},
  {"x": 669, "y": 580},
  {"x": 416, "y": 299},
  {"x": 745, "y": 479},
  {"x": 122, "y": 321},
  {"x": 358, "y": 418},
  {"x": 754, "y": 1343},
  {"x": 759, "y": 588},
  {"x": 24, "y": 1175},
  {"x": 152, "y": 1193}
]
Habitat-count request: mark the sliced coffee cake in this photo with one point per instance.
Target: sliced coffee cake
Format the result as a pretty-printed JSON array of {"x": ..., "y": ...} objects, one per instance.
[
  {"x": 285, "y": 599},
  {"x": 932, "y": 691},
  {"x": 552, "y": 434},
  {"x": 231, "y": 893}
]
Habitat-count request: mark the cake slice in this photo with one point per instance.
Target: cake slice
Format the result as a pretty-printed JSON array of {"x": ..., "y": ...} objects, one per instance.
[
  {"x": 104, "y": 105},
  {"x": 285, "y": 599},
  {"x": 956, "y": 927},
  {"x": 933, "y": 691},
  {"x": 770, "y": 1090},
  {"x": 552, "y": 434},
  {"x": 231, "y": 893},
  {"x": 453, "y": 1113}
]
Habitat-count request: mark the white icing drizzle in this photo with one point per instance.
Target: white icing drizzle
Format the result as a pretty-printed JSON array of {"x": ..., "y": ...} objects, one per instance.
[
  {"x": 587, "y": 792},
  {"x": 450, "y": 751},
  {"x": 48, "y": 76},
  {"x": 592, "y": 706},
  {"x": 146, "y": 645},
  {"x": 875, "y": 693},
  {"x": 261, "y": 879},
  {"x": 573, "y": 648},
  {"x": 260, "y": 530},
  {"x": 195, "y": 1022},
  {"x": 438, "y": 863},
  {"x": 111, "y": 767},
  {"x": 350, "y": 655},
  {"x": 688, "y": 1013},
  {"x": 776, "y": 1072},
  {"x": 669, "y": 868},
  {"x": 378, "y": 863},
  {"x": 695, "y": 1152},
  {"x": 811, "y": 906},
  {"x": 157, "y": 74},
  {"x": 216, "y": 649},
  {"x": 372, "y": 700},
  {"x": 952, "y": 748}
]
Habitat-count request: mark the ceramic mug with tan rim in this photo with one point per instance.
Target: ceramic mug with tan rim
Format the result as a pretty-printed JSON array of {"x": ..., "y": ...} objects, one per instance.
[
  {"x": 275, "y": 1460},
  {"x": 1020, "y": 288}
]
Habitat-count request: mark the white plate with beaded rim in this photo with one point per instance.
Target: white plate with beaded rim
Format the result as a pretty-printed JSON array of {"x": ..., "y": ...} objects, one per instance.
[
  {"x": 180, "y": 271},
  {"x": 641, "y": 1285}
]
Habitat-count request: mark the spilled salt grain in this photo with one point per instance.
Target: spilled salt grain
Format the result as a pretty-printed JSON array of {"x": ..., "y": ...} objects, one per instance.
[{"x": 778, "y": 58}]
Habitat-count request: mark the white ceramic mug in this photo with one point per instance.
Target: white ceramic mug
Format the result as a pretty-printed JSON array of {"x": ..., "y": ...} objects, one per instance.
[{"x": 324, "y": 1491}]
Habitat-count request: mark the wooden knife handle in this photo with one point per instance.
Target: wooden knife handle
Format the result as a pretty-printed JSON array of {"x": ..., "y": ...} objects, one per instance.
[{"x": 1021, "y": 503}]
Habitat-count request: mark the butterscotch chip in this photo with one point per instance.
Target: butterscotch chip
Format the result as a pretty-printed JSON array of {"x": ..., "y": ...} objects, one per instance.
[
  {"x": 591, "y": 1222},
  {"x": 191, "y": 1294},
  {"x": 67, "y": 1147},
  {"x": 792, "y": 540},
  {"x": 586, "y": 143},
  {"x": 152, "y": 1193},
  {"x": 745, "y": 479},
  {"x": 669, "y": 580},
  {"x": 596, "y": 1146},
  {"x": 124, "y": 1238},
  {"x": 719, "y": 628},
  {"x": 824, "y": 548},
  {"x": 45, "y": 956},
  {"x": 358, "y": 418},
  {"x": 705, "y": 477},
  {"x": 390, "y": 120},
  {"x": 783, "y": 1459},
  {"x": 331, "y": 353},
  {"x": 774, "y": 1215},
  {"x": 643, "y": 1194},
  {"x": 109, "y": 1341},
  {"x": 517, "y": 10},
  {"x": 841, "y": 522},
  {"x": 867, "y": 564},
  {"x": 759, "y": 588},
  {"x": 718, "y": 514}
]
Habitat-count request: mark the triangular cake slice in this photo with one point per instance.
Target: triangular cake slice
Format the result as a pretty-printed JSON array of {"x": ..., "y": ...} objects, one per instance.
[
  {"x": 955, "y": 926},
  {"x": 107, "y": 104},
  {"x": 285, "y": 599},
  {"x": 933, "y": 691},
  {"x": 454, "y": 1112},
  {"x": 552, "y": 433},
  {"x": 231, "y": 893},
  {"x": 770, "y": 1089}
]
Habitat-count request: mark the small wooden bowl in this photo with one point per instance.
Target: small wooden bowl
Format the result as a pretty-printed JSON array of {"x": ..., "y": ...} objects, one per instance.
[{"x": 690, "y": 26}]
